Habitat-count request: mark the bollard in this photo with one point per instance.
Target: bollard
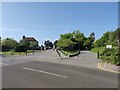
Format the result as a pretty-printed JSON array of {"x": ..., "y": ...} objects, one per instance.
[
  {"x": 98, "y": 55},
  {"x": 33, "y": 51},
  {"x": 26, "y": 52}
]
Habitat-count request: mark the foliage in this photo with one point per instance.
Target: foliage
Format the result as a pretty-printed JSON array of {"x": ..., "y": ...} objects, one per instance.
[
  {"x": 24, "y": 43},
  {"x": 48, "y": 44},
  {"x": 20, "y": 49},
  {"x": 108, "y": 38},
  {"x": 67, "y": 53},
  {"x": 9, "y": 44},
  {"x": 17, "y": 53},
  {"x": 108, "y": 55},
  {"x": 34, "y": 45},
  {"x": 64, "y": 42},
  {"x": 55, "y": 44},
  {"x": 76, "y": 40},
  {"x": 28, "y": 45},
  {"x": 98, "y": 49}
]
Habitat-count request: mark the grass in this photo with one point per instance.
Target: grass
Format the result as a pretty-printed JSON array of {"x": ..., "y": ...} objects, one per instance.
[
  {"x": 16, "y": 53},
  {"x": 98, "y": 49},
  {"x": 67, "y": 53}
]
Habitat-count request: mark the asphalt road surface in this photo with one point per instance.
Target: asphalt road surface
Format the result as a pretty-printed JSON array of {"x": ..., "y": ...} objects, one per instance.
[{"x": 45, "y": 70}]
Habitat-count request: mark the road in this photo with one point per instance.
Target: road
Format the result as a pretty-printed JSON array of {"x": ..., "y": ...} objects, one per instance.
[{"x": 45, "y": 70}]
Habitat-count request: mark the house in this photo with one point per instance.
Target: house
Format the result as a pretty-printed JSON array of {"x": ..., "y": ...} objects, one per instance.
[{"x": 31, "y": 40}]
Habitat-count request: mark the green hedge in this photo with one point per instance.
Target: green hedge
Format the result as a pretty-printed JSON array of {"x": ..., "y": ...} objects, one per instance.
[{"x": 108, "y": 55}]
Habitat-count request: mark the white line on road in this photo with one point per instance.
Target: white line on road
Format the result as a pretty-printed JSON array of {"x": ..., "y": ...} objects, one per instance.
[
  {"x": 3, "y": 64},
  {"x": 45, "y": 72}
]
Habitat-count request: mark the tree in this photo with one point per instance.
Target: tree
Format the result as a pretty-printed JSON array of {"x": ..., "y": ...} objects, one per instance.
[
  {"x": 48, "y": 44},
  {"x": 64, "y": 43},
  {"x": 89, "y": 41},
  {"x": 9, "y": 43},
  {"x": 34, "y": 45},
  {"x": 74, "y": 39},
  {"x": 79, "y": 39},
  {"x": 65, "y": 40},
  {"x": 24, "y": 43},
  {"x": 55, "y": 44},
  {"x": 110, "y": 37},
  {"x": 88, "y": 44},
  {"x": 92, "y": 37}
]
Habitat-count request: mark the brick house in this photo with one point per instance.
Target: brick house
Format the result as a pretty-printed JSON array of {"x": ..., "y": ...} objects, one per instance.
[{"x": 30, "y": 40}]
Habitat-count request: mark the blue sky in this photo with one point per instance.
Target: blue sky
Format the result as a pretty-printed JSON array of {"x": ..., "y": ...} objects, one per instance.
[{"x": 48, "y": 20}]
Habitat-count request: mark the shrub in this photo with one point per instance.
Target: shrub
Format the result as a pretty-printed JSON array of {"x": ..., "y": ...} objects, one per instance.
[{"x": 110, "y": 56}]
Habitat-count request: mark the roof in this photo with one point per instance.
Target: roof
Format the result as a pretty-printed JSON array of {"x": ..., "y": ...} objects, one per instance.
[{"x": 30, "y": 39}]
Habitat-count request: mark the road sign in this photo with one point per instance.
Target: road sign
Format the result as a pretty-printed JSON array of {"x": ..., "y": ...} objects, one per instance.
[{"x": 108, "y": 46}]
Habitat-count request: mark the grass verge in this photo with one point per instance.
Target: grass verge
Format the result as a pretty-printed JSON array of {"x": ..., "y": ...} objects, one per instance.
[
  {"x": 68, "y": 53},
  {"x": 17, "y": 53}
]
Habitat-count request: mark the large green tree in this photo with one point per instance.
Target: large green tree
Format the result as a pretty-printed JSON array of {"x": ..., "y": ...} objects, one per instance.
[
  {"x": 110, "y": 37},
  {"x": 75, "y": 39},
  {"x": 9, "y": 43},
  {"x": 88, "y": 44}
]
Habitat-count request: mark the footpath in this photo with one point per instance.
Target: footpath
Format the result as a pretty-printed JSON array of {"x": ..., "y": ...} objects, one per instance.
[{"x": 90, "y": 59}]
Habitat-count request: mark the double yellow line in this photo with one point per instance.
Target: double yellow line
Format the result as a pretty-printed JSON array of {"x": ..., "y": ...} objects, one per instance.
[{"x": 101, "y": 67}]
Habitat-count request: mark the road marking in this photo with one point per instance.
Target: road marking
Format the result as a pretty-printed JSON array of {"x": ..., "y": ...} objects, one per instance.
[
  {"x": 3, "y": 64},
  {"x": 46, "y": 72},
  {"x": 100, "y": 67}
]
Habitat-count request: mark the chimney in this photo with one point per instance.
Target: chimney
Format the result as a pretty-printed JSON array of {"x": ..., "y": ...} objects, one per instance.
[{"x": 23, "y": 36}]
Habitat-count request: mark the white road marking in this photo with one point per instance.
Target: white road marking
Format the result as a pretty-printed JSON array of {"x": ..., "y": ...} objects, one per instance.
[
  {"x": 45, "y": 72},
  {"x": 3, "y": 64}
]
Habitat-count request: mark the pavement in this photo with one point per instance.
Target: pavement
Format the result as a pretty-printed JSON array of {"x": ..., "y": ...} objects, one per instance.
[
  {"x": 108, "y": 67},
  {"x": 46, "y": 70},
  {"x": 89, "y": 59}
]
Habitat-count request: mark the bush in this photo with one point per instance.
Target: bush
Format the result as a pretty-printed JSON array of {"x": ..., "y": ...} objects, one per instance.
[{"x": 108, "y": 55}]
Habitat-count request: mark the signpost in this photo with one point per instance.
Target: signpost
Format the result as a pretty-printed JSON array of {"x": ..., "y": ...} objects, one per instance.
[{"x": 109, "y": 46}]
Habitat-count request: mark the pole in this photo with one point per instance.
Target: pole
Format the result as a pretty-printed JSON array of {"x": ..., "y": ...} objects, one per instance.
[
  {"x": 98, "y": 54},
  {"x": 79, "y": 47}
]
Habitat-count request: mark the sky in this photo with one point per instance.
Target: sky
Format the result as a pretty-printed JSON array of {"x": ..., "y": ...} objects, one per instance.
[{"x": 47, "y": 20}]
